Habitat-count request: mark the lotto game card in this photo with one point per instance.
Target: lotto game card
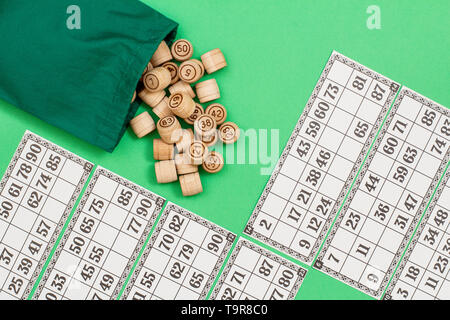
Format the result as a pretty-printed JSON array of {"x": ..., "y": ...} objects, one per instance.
[
  {"x": 322, "y": 158},
  {"x": 423, "y": 273},
  {"x": 390, "y": 195},
  {"x": 182, "y": 259},
  {"x": 253, "y": 273},
  {"x": 37, "y": 193},
  {"x": 102, "y": 241}
]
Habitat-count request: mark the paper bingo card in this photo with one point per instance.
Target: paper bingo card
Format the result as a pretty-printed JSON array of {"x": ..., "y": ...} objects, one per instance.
[
  {"x": 390, "y": 195},
  {"x": 182, "y": 259},
  {"x": 424, "y": 270},
  {"x": 37, "y": 194},
  {"x": 102, "y": 241},
  {"x": 253, "y": 273},
  {"x": 322, "y": 158}
]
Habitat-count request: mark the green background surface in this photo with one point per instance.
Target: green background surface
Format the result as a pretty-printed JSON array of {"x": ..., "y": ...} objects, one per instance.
[{"x": 276, "y": 51}]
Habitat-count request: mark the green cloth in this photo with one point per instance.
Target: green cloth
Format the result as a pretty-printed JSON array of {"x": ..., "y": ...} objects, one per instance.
[{"x": 80, "y": 80}]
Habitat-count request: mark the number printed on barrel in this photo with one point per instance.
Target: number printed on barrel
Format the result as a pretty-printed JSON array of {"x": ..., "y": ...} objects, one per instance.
[
  {"x": 102, "y": 241},
  {"x": 390, "y": 195},
  {"x": 253, "y": 273},
  {"x": 322, "y": 157},
  {"x": 424, "y": 271},
  {"x": 37, "y": 194},
  {"x": 182, "y": 259}
]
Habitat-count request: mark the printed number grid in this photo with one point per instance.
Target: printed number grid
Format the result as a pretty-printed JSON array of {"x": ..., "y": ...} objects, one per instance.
[
  {"x": 389, "y": 196},
  {"x": 322, "y": 158},
  {"x": 37, "y": 194},
  {"x": 423, "y": 272},
  {"x": 253, "y": 273},
  {"x": 103, "y": 240},
  {"x": 182, "y": 259}
]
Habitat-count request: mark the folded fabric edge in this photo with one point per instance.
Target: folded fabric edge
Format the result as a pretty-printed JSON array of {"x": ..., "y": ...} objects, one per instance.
[{"x": 127, "y": 86}]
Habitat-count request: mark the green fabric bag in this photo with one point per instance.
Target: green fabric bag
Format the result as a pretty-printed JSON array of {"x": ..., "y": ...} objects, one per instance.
[{"x": 80, "y": 80}]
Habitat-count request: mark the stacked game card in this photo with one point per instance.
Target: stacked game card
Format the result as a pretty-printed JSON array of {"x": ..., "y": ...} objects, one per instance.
[
  {"x": 390, "y": 195},
  {"x": 37, "y": 193},
  {"x": 103, "y": 240},
  {"x": 253, "y": 273},
  {"x": 182, "y": 260},
  {"x": 424, "y": 271}
]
